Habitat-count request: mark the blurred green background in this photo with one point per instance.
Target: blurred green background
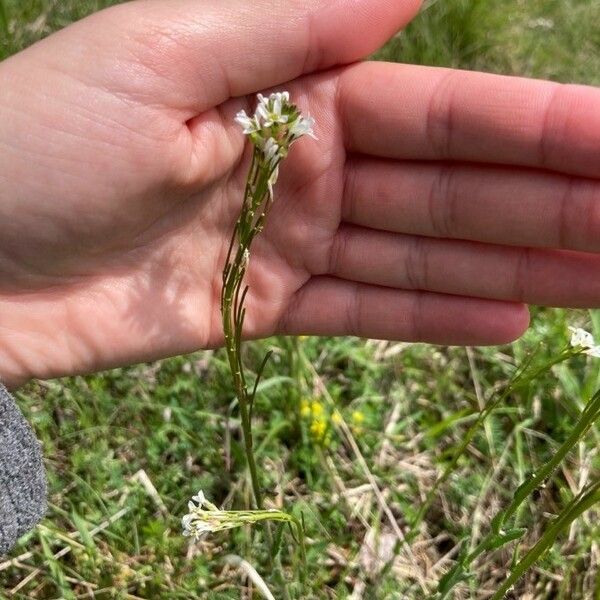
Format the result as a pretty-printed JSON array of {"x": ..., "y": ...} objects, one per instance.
[{"x": 125, "y": 449}]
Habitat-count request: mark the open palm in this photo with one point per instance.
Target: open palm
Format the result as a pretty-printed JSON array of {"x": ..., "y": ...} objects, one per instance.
[{"x": 434, "y": 204}]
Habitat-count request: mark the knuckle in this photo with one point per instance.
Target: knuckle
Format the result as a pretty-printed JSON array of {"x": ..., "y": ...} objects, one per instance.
[
  {"x": 442, "y": 202},
  {"x": 440, "y": 118},
  {"x": 417, "y": 264}
]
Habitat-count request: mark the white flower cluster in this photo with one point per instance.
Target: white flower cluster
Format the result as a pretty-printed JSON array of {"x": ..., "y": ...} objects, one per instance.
[
  {"x": 192, "y": 526},
  {"x": 204, "y": 517},
  {"x": 580, "y": 338},
  {"x": 275, "y": 126}
]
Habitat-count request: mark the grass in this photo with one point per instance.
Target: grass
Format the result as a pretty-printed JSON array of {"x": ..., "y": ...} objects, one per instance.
[{"x": 126, "y": 448}]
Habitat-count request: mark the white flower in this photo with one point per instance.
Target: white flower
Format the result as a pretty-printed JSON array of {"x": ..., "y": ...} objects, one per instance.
[
  {"x": 273, "y": 152},
  {"x": 270, "y": 109},
  {"x": 301, "y": 126},
  {"x": 201, "y": 518},
  {"x": 541, "y": 23},
  {"x": 270, "y": 149},
  {"x": 249, "y": 124},
  {"x": 199, "y": 498},
  {"x": 207, "y": 518},
  {"x": 272, "y": 181},
  {"x": 580, "y": 338},
  {"x": 281, "y": 97},
  {"x": 192, "y": 527},
  {"x": 275, "y": 117},
  {"x": 275, "y": 126}
]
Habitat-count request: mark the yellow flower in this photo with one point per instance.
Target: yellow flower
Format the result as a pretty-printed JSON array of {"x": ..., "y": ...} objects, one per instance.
[
  {"x": 357, "y": 417},
  {"x": 318, "y": 428},
  {"x": 316, "y": 408},
  {"x": 305, "y": 409},
  {"x": 336, "y": 417}
]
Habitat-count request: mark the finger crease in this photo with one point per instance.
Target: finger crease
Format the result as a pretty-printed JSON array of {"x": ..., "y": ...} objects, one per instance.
[
  {"x": 545, "y": 140},
  {"x": 337, "y": 252},
  {"x": 440, "y": 117},
  {"x": 442, "y": 202},
  {"x": 416, "y": 264},
  {"x": 354, "y": 310},
  {"x": 566, "y": 203},
  {"x": 349, "y": 192},
  {"x": 522, "y": 270}
]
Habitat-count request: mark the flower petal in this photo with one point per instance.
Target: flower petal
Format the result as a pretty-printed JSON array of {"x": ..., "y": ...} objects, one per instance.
[{"x": 581, "y": 338}]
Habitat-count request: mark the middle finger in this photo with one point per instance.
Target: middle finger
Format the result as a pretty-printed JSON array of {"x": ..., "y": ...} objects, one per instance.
[{"x": 508, "y": 206}]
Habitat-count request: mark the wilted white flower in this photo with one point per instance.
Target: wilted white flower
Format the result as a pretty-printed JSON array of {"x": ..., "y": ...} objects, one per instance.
[
  {"x": 245, "y": 258},
  {"x": 272, "y": 181},
  {"x": 272, "y": 152},
  {"x": 580, "y": 338},
  {"x": 541, "y": 23},
  {"x": 205, "y": 517},
  {"x": 199, "y": 498}
]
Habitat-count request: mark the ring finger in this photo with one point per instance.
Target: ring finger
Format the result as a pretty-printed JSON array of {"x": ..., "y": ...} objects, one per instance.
[{"x": 530, "y": 275}]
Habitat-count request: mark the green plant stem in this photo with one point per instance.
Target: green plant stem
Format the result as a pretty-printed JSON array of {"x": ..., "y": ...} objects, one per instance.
[
  {"x": 256, "y": 202},
  {"x": 249, "y": 223},
  {"x": 521, "y": 378},
  {"x": 588, "y": 417},
  {"x": 241, "y": 391},
  {"x": 294, "y": 391},
  {"x": 576, "y": 507},
  {"x": 496, "y": 537},
  {"x": 3, "y": 18}
]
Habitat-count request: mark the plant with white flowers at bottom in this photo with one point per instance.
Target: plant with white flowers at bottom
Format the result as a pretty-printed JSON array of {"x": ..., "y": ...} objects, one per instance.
[{"x": 275, "y": 126}]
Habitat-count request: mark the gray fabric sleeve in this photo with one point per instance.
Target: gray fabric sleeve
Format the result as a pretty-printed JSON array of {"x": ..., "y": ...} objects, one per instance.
[{"x": 22, "y": 477}]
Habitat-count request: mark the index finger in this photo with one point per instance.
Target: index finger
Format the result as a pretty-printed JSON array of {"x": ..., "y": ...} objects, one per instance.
[
  {"x": 411, "y": 112},
  {"x": 194, "y": 55}
]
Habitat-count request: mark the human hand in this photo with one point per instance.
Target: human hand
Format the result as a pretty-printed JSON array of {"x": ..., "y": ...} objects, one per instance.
[{"x": 434, "y": 205}]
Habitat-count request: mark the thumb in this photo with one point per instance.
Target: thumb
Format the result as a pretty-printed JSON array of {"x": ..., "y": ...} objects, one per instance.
[{"x": 194, "y": 55}]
